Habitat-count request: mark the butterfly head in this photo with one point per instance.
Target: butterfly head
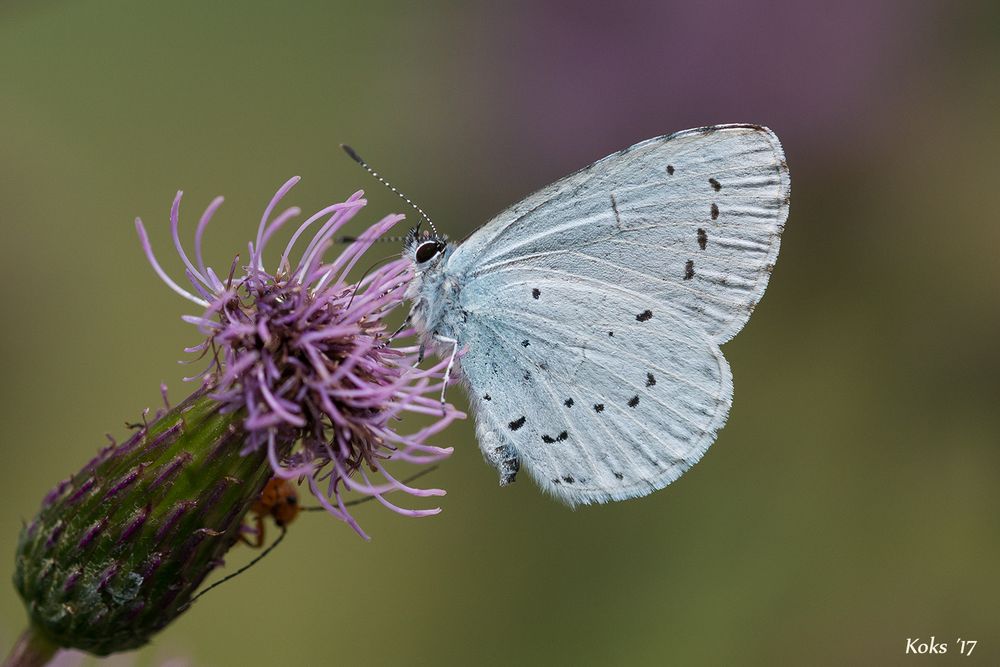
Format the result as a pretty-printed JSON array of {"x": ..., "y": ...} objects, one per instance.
[{"x": 425, "y": 248}]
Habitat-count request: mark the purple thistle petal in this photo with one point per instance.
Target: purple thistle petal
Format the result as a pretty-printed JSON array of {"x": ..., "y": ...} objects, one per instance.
[
  {"x": 280, "y": 409},
  {"x": 194, "y": 274},
  {"x": 400, "y": 510},
  {"x": 206, "y": 217},
  {"x": 338, "y": 512},
  {"x": 283, "y": 264},
  {"x": 279, "y": 222},
  {"x": 148, "y": 249},
  {"x": 402, "y": 486},
  {"x": 204, "y": 345},
  {"x": 341, "y": 216},
  {"x": 196, "y": 283},
  {"x": 256, "y": 262},
  {"x": 284, "y": 471}
]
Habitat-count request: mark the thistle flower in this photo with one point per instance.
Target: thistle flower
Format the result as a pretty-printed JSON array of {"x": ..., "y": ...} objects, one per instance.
[
  {"x": 302, "y": 382},
  {"x": 305, "y": 354}
]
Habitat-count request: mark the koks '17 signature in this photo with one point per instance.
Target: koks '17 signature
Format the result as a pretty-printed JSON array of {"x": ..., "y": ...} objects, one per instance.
[{"x": 931, "y": 646}]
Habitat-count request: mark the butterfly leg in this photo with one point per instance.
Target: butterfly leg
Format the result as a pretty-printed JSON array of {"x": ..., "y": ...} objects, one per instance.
[
  {"x": 406, "y": 323},
  {"x": 447, "y": 372}
]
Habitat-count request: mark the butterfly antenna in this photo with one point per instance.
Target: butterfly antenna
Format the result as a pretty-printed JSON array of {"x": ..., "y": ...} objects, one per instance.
[
  {"x": 357, "y": 158},
  {"x": 349, "y": 503},
  {"x": 243, "y": 569},
  {"x": 381, "y": 239}
]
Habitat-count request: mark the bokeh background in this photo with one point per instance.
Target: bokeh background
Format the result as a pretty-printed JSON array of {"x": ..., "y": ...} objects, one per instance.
[{"x": 850, "y": 503}]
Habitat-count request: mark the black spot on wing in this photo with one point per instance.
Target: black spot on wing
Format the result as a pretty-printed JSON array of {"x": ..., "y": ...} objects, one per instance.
[
  {"x": 611, "y": 333},
  {"x": 562, "y": 436},
  {"x": 599, "y": 407},
  {"x": 517, "y": 423},
  {"x": 568, "y": 479},
  {"x": 644, "y": 315},
  {"x": 715, "y": 211},
  {"x": 525, "y": 343},
  {"x": 568, "y": 402},
  {"x": 527, "y": 375},
  {"x": 634, "y": 401},
  {"x": 715, "y": 184},
  {"x": 670, "y": 169},
  {"x": 487, "y": 397},
  {"x": 548, "y": 439},
  {"x": 535, "y": 293},
  {"x": 650, "y": 380},
  {"x": 618, "y": 475},
  {"x": 702, "y": 238},
  {"x": 689, "y": 269}
]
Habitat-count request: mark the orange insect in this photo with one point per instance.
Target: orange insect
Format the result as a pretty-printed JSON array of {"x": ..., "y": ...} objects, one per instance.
[{"x": 280, "y": 501}]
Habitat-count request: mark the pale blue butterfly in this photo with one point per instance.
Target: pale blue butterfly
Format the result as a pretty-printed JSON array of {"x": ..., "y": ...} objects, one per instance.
[{"x": 591, "y": 312}]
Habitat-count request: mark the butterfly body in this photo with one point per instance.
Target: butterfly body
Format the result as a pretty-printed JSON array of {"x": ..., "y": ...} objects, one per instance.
[
  {"x": 591, "y": 313},
  {"x": 435, "y": 294}
]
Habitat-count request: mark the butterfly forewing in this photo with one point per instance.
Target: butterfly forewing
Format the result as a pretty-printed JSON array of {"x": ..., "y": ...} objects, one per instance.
[{"x": 692, "y": 219}]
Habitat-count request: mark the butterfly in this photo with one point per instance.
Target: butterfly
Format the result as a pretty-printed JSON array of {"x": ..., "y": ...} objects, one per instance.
[{"x": 590, "y": 314}]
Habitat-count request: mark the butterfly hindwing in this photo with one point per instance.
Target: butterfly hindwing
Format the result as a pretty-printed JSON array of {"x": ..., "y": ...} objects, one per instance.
[{"x": 602, "y": 393}]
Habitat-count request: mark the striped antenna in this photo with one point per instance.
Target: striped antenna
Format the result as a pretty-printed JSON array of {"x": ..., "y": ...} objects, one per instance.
[
  {"x": 357, "y": 158},
  {"x": 381, "y": 239}
]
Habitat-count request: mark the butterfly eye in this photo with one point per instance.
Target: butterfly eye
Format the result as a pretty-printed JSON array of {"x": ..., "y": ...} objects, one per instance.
[{"x": 427, "y": 250}]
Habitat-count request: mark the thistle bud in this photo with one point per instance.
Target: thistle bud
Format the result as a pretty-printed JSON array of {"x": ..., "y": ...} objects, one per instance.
[{"x": 119, "y": 548}]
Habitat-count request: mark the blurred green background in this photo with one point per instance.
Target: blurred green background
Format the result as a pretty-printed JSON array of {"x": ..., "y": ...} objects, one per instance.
[{"x": 850, "y": 503}]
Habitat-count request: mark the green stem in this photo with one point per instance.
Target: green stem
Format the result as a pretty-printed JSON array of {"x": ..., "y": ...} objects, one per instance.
[{"x": 31, "y": 650}]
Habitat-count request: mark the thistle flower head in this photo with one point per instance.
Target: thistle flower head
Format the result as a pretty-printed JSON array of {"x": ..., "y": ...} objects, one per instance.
[
  {"x": 303, "y": 382},
  {"x": 307, "y": 357}
]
